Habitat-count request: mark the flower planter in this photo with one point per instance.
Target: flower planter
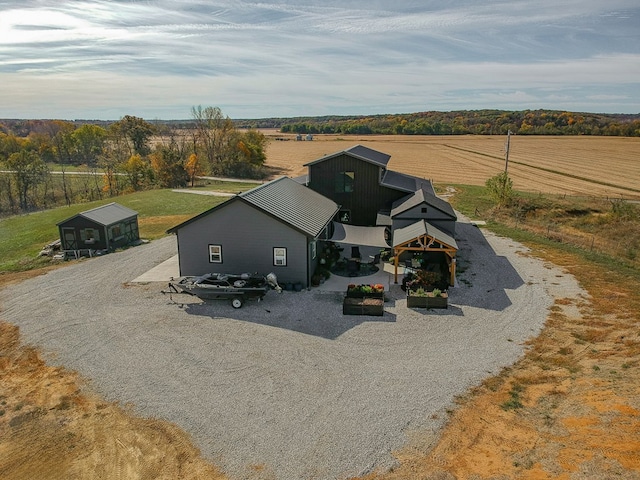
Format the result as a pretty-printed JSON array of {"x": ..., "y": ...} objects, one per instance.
[
  {"x": 355, "y": 291},
  {"x": 363, "y": 306},
  {"x": 414, "y": 301}
]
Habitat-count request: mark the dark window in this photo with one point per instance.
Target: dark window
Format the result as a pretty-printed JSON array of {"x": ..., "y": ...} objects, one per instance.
[
  {"x": 344, "y": 182},
  {"x": 424, "y": 210},
  {"x": 344, "y": 216}
]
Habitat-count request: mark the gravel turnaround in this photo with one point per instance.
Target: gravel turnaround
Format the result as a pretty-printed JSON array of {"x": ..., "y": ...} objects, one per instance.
[{"x": 288, "y": 388}]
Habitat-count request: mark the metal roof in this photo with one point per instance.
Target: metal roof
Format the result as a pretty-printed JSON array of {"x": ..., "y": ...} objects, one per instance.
[
  {"x": 403, "y": 182},
  {"x": 293, "y": 203},
  {"x": 422, "y": 227},
  {"x": 359, "y": 151},
  {"x": 106, "y": 214},
  {"x": 418, "y": 197}
]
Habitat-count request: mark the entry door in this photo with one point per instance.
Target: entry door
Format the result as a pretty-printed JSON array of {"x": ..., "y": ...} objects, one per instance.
[{"x": 69, "y": 239}]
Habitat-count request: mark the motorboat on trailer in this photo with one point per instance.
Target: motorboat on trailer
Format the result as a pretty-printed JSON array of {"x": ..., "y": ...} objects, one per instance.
[{"x": 237, "y": 287}]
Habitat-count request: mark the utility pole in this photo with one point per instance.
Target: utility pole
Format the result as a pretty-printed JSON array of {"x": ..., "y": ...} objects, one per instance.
[{"x": 506, "y": 162}]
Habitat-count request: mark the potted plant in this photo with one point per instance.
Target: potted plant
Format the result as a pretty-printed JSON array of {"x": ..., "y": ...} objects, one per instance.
[{"x": 421, "y": 298}]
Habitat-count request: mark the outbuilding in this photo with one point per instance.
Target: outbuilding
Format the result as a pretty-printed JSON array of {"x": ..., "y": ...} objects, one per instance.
[{"x": 100, "y": 229}]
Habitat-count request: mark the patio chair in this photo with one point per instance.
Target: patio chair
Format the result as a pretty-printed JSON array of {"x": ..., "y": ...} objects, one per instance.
[{"x": 375, "y": 260}]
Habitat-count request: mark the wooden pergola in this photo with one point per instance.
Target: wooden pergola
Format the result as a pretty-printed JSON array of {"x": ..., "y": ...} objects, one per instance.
[{"x": 424, "y": 237}]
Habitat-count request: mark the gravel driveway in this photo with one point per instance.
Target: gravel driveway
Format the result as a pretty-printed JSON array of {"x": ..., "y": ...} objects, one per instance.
[{"x": 288, "y": 388}]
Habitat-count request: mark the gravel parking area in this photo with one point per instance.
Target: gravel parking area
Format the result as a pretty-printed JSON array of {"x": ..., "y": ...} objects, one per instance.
[{"x": 288, "y": 388}]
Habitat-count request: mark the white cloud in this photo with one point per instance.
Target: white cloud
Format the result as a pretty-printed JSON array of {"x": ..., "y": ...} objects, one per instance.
[{"x": 92, "y": 58}]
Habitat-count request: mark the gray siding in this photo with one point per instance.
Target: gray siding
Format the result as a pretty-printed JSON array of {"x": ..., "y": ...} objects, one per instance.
[{"x": 247, "y": 237}]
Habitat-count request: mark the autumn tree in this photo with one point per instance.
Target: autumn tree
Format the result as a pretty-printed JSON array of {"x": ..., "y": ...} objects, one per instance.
[
  {"x": 214, "y": 132},
  {"x": 134, "y": 132},
  {"x": 88, "y": 142},
  {"x": 168, "y": 166},
  {"x": 29, "y": 170},
  {"x": 194, "y": 168},
  {"x": 138, "y": 172}
]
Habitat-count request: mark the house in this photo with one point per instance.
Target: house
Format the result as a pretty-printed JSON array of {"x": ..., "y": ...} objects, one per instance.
[
  {"x": 349, "y": 197},
  {"x": 274, "y": 227},
  {"x": 359, "y": 181},
  {"x": 103, "y": 228}
]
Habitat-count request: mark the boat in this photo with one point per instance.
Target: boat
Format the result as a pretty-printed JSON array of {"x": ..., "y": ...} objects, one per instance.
[{"x": 237, "y": 287}]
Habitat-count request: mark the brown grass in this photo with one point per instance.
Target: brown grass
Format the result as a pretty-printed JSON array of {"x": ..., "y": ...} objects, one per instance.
[{"x": 578, "y": 384}]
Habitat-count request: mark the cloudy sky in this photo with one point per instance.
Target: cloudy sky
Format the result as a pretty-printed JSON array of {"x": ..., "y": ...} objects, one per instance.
[{"x": 156, "y": 59}]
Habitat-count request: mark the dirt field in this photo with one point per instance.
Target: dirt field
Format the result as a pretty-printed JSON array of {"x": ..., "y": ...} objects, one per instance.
[{"x": 603, "y": 166}]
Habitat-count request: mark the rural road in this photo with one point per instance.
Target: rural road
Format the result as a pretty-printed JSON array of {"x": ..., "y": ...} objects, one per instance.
[{"x": 288, "y": 388}]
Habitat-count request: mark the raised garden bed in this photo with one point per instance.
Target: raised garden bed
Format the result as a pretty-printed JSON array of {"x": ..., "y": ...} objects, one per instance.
[
  {"x": 427, "y": 301},
  {"x": 363, "y": 306}
]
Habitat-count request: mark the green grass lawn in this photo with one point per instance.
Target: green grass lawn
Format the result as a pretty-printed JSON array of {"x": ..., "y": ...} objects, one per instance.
[{"x": 22, "y": 236}]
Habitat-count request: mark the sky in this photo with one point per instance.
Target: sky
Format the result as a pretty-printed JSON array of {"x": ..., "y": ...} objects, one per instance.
[{"x": 75, "y": 59}]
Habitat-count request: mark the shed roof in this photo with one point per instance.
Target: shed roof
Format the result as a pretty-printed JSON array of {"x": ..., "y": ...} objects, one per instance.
[
  {"x": 419, "y": 197},
  {"x": 106, "y": 214},
  {"x": 420, "y": 228},
  {"x": 361, "y": 152},
  {"x": 288, "y": 201}
]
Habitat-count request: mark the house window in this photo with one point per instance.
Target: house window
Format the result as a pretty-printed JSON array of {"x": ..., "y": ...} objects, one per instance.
[
  {"x": 280, "y": 257},
  {"x": 314, "y": 250},
  {"x": 423, "y": 209},
  {"x": 344, "y": 182},
  {"x": 215, "y": 253}
]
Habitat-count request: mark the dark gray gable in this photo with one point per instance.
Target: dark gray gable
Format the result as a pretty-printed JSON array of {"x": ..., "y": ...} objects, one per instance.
[
  {"x": 361, "y": 152},
  {"x": 286, "y": 200},
  {"x": 419, "y": 197},
  {"x": 106, "y": 214}
]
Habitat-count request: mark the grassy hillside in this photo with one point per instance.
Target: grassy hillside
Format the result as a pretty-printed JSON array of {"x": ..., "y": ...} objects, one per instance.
[{"x": 22, "y": 236}]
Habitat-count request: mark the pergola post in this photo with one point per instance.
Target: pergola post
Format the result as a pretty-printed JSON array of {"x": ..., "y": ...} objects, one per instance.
[{"x": 395, "y": 262}]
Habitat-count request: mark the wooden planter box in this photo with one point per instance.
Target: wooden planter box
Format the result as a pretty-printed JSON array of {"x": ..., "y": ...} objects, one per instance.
[
  {"x": 427, "y": 302},
  {"x": 363, "y": 306}
]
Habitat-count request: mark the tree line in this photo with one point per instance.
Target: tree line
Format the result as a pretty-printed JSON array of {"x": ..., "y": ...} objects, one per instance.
[
  {"x": 52, "y": 162},
  {"x": 464, "y": 122}
]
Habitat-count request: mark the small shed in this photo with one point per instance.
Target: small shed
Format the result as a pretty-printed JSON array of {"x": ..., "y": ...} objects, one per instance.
[{"x": 103, "y": 228}]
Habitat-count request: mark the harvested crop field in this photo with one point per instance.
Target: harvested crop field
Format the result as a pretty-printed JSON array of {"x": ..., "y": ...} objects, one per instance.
[{"x": 602, "y": 166}]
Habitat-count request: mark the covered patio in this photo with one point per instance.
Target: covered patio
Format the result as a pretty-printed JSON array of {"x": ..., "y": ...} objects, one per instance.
[
  {"x": 422, "y": 237},
  {"x": 360, "y": 248}
]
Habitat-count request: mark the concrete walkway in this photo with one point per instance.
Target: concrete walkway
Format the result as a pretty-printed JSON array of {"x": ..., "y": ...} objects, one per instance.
[{"x": 160, "y": 273}]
